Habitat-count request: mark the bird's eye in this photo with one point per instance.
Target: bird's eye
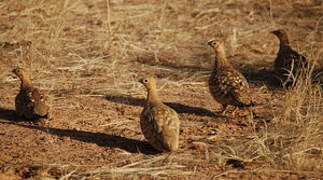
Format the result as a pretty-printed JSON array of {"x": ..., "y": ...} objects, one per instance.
[
  {"x": 213, "y": 43},
  {"x": 145, "y": 80}
]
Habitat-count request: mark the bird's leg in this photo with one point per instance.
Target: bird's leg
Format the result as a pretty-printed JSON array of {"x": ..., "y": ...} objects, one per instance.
[
  {"x": 234, "y": 111},
  {"x": 167, "y": 157},
  {"x": 254, "y": 115},
  {"x": 224, "y": 109}
]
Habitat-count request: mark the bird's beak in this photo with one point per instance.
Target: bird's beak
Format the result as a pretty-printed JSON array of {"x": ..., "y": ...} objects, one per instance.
[
  {"x": 12, "y": 74},
  {"x": 274, "y": 32}
]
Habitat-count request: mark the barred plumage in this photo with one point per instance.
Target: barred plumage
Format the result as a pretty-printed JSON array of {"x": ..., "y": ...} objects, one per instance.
[{"x": 159, "y": 123}]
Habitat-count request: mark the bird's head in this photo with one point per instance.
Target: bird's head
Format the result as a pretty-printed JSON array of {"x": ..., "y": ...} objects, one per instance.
[
  {"x": 213, "y": 43},
  {"x": 148, "y": 82},
  {"x": 216, "y": 46},
  {"x": 281, "y": 34},
  {"x": 19, "y": 72}
]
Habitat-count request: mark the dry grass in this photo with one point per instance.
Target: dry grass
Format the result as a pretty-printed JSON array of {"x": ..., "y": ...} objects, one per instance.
[{"x": 87, "y": 55}]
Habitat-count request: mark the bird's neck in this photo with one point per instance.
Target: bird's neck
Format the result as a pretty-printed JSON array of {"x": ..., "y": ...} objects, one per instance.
[
  {"x": 152, "y": 97},
  {"x": 25, "y": 83},
  {"x": 215, "y": 64},
  {"x": 284, "y": 42},
  {"x": 220, "y": 59},
  {"x": 284, "y": 47}
]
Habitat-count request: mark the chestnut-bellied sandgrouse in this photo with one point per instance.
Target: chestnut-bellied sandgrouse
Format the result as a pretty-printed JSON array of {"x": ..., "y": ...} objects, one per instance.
[
  {"x": 30, "y": 102},
  {"x": 227, "y": 85},
  {"x": 159, "y": 123},
  {"x": 288, "y": 62}
]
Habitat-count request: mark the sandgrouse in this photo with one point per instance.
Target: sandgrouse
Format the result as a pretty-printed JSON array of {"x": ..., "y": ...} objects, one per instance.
[
  {"x": 227, "y": 85},
  {"x": 30, "y": 102},
  {"x": 159, "y": 123},
  {"x": 287, "y": 59}
]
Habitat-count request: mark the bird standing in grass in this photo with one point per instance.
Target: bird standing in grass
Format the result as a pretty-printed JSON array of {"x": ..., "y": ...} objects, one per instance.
[
  {"x": 159, "y": 123},
  {"x": 288, "y": 62},
  {"x": 30, "y": 102},
  {"x": 227, "y": 85}
]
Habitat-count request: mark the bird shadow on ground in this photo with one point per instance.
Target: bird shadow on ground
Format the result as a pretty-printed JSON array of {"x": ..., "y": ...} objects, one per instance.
[
  {"x": 271, "y": 79},
  {"x": 101, "y": 139},
  {"x": 10, "y": 115},
  {"x": 179, "y": 108},
  {"x": 163, "y": 62},
  {"x": 252, "y": 74}
]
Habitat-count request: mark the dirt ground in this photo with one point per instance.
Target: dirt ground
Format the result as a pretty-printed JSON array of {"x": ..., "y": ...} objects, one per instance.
[{"x": 88, "y": 55}]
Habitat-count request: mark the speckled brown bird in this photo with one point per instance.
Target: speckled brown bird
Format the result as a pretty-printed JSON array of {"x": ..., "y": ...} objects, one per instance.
[
  {"x": 30, "y": 102},
  {"x": 287, "y": 59},
  {"x": 227, "y": 85},
  {"x": 159, "y": 123}
]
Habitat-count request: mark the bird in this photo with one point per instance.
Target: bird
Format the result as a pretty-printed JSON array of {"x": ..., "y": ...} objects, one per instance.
[
  {"x": 159, "y": 123},
  {"x": 288, "y": 62},
  {"x": 30, "y": 103},
  {"x": 226, "y": 84}
]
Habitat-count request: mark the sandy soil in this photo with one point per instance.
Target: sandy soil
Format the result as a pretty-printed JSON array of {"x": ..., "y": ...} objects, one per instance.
[{"x": 88, "y": 67}]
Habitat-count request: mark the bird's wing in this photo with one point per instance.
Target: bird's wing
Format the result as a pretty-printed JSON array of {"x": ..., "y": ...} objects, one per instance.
[
  {"x": 37, "y": 102},
  {"x": 166, "y": 126},
  {"x": 299, "y": 60},
  {"x": 236, "y": 87}
]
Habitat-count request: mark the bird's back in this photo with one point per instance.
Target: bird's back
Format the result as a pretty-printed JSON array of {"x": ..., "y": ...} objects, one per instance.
[
  {"x": 288, "y": 60},
  {"x": 228, "y": 86},
  {"x": 160, "y": 126},
  {"x": 31, "y": 103}
]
